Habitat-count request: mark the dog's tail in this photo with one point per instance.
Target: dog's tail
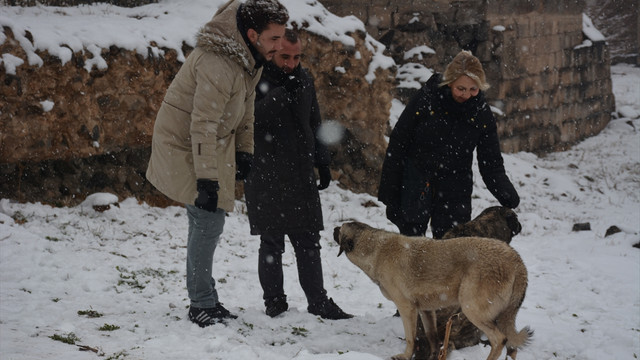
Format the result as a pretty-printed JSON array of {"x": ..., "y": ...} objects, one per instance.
[
  {"x": 519, "y": 339},
  {"x": 506, "y": 320}
]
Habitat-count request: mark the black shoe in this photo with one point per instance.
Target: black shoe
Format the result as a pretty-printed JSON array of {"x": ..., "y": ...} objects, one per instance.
[
  {"x": 276, "y": 306},
  {"x": 327, "y": 309},
  {"x": 208, "y": 316}
]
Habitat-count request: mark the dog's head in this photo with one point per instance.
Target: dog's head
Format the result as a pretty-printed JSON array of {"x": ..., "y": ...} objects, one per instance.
[
  {"x": 346, "y": 235},
  {"x": 509, "y": 216},
  {"x": 496, "y": 222}
]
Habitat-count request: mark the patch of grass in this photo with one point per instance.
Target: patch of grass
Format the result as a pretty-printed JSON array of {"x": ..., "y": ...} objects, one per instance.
[
  {"x": 51, "y": 238},
  {"x": 299, "y": 331},
  {"x": 69, "y": 338},
  {"x": 19, "y": 218},
  {"x": 89, "y": 313},
  {"x": 133, "y": 278},
  {"x": 119, "y": 355},
  {"x": 244, "y": 331},
  {"x": 109, "y": 327}
]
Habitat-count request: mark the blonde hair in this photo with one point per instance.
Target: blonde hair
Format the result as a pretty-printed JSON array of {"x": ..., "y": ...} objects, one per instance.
[{"x": 465, "y": 64}]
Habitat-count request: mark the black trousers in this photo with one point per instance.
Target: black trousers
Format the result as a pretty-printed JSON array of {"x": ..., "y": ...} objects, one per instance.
[
  {"x": 444, "y": 216},
  {"x": 307, "y": 249}
]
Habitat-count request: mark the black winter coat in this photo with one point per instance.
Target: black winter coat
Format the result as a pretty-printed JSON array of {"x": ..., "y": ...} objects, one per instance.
[
  {"x": 438, "y": 136},
  {"x": 281, "y": 192}
]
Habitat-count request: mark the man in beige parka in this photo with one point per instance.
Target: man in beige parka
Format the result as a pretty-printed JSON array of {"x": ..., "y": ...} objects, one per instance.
[{"x": 203, "y": 134}]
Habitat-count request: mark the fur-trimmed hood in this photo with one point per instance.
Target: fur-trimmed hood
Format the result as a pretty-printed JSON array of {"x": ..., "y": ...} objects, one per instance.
[{"x": 221, "y": 35}]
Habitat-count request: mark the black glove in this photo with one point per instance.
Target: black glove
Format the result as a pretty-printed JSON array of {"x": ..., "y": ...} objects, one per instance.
[
  {"x": 207, "y": 195},
  {"x": 325, "y": 177},
  {"x": 292, "y": 84},
  {"x": 243, "y": 165},
  {"x": 509, "y": 198}
]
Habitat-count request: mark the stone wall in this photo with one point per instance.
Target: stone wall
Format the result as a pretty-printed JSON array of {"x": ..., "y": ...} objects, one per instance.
[
  {"x": 97, "y": 135},
  {"x": 554, "y": 89},
  {"x": 551, "y": 90}
]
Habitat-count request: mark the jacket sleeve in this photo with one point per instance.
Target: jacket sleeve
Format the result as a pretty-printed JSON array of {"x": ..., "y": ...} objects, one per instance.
[
  {"x": 491, "y": 165},
  {"x": 322, "y": 155},
  {"x": 213, "y": 86},
  {"x": 398, "y": 151}
]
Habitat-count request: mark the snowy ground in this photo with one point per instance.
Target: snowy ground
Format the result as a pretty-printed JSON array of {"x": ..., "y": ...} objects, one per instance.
[{"x": 115, "y": 280}]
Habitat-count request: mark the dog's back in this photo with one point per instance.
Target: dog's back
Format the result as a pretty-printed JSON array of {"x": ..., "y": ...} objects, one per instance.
[{"x": 487, "y": 265}]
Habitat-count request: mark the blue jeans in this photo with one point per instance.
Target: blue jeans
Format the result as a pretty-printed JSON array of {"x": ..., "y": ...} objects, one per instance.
[{"x": 205, "y": 228}]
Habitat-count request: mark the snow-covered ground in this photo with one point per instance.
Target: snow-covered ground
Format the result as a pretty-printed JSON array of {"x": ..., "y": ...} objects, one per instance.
[{"x": 112, "y": 283}]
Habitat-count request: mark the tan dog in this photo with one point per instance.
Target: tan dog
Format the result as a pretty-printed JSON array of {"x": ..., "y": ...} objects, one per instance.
[
  {"x": 496, "y": 222},
  {"x": 485, "y": 277}
]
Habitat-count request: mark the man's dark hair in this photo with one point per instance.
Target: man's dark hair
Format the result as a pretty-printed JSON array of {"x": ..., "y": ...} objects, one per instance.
[
  {"x": 291, "y": 36},
  {"x": 258, "y": 14}
]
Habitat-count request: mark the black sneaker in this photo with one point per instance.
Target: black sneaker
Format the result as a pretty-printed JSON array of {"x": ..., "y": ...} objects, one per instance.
[
  {"x": 327, "y": 309},
  {"x": 208, "y": 316},
  {"x": 276, "y": 306}
]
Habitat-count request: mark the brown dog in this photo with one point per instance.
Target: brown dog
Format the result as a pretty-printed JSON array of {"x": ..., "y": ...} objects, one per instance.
[
  {"x": 485, "y": 277},
  {"x": 496, "y": 222}
]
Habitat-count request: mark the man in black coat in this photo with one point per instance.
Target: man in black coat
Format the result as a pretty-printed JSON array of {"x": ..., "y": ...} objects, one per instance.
[{"x": 281, "y": 192}]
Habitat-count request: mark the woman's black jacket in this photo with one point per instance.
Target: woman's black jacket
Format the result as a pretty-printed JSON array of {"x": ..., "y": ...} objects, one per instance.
[{"x": 439, "y": 136}]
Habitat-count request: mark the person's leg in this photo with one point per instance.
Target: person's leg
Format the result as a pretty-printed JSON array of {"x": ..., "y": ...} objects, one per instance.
[
  {"x": 270, "y": 274},
  {"x": 205, "y": 228},
  {"x": 307, "y": 249},
  {"x": 451, "y": 213},
  {"x": 270, "y": 265}
]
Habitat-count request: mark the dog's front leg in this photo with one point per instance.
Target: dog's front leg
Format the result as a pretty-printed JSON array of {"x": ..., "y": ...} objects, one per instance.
[
  {"x": 409, "y": 315},
  {"x": 429, "y": 322}
]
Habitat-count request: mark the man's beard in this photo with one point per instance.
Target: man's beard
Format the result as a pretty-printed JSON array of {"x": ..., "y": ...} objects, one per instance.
[{"x": 268, "y": 55}]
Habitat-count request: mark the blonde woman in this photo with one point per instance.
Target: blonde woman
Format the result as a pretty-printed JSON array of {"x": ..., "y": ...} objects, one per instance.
[{"x": 427, "y": 175}]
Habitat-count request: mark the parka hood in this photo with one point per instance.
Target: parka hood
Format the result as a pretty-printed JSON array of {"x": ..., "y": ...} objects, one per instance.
[{"x": 221, "y": 35}]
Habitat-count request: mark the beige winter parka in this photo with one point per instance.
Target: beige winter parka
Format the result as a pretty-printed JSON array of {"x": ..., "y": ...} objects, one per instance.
[{"x": 207, "y": 114}]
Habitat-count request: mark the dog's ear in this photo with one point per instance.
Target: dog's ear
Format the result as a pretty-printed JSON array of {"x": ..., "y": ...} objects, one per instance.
[
  {"x": 346, "y": 245},
  {"x": 513, "y": 223},
  {"x": 336, "y": 234}
]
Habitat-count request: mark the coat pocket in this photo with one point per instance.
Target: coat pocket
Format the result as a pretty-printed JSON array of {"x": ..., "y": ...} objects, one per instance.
[{"x": 417, "y": 195}]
